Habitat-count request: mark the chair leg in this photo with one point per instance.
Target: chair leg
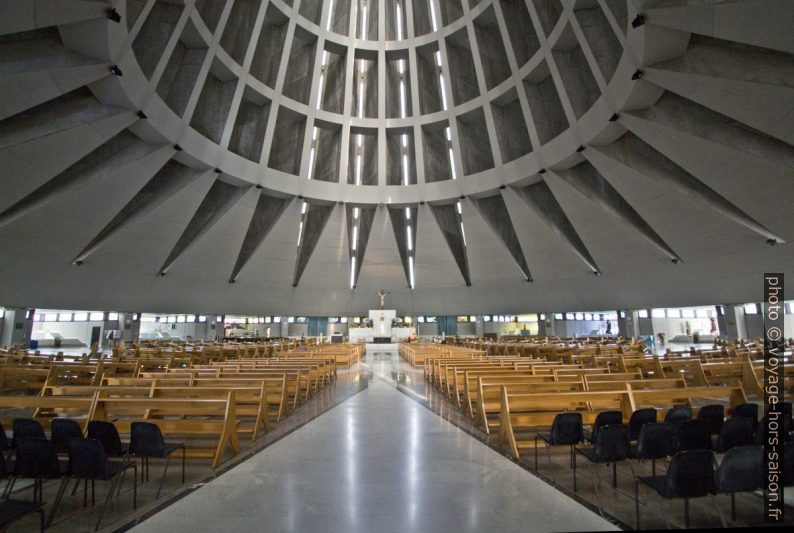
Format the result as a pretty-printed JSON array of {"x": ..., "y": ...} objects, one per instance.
[
  {"x": 614, "y": 475},
  {"x": 733, "y": 506},
  {"x": 719, "y": 511},
  {"x": 162, "y": 478},
  {"x": 76, "y": 486},
  {"x": 41, "y": 519},
  {"x": 7, "y": 490},
  {"x": 596, "y": 482},
  {"x": 135, "y": 486},
  {"x": 184, "y": 451},
  {"x": 536, "y": 453},
  {"x": 107, "y": 501},
  {"x": 573, "y": 462},
  {"x": 121, "y": 481},
  {"x": 57, "y": 502},
  {"x": 637, "y": 502},
  {"x": 686, "y": 513}
]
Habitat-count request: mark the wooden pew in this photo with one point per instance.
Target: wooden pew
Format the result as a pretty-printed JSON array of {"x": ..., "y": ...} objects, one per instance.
[
  {"x": 22, "y": 378},
  {"x": 522, "y": 413},
  {"x": 211, "y": 419},
  {"x": 276, "y": 400},
  {"x": 80, "y": 409},
  {"x": 250, "y": 398},
  {"x": 489, "y": 392}
]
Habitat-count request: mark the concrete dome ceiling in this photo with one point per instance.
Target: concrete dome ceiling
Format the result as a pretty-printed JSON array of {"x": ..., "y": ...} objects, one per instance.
[{"x": 468, "y": 156}]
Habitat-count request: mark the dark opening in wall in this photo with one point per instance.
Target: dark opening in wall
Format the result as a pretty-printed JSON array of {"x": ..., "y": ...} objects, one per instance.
[
  {"x": 397, "y": 70},
  {"x": 210, "y": 11},
  {"x": 250, "y": 125},
  {"x": 545, "y": 106},
  {"x": 522, "y": 33},
  {"x": 493, "y": 57},
  {"x": 270, "y": 47},
  {"x": 213, "y": 105},
  {"x": 400, "y": 156},
  {"x": 298, "y": 82},
  {"x": 577, "y": 77},
  {"x": 427, "y": 78},
  {"x": 181, "y": 72},
  {"x": 287, "y": 145},
  {"x": 151, "y": 41},
  {"x": 239, "y": 26},
  {"x": 475, "y": 148},
  {"x": 363, "y": 156},
  {"x": 461, "y": 68},
  {"x": 511, "y": 130},
  {"x": 435, "y": 147}
]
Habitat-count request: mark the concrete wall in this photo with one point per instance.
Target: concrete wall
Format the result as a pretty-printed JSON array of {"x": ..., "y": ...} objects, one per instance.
[{"x": 298, "y": 330}]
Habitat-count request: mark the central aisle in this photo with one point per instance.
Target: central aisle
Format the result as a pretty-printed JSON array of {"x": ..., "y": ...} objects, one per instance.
[{"x": 377, "y": 462}]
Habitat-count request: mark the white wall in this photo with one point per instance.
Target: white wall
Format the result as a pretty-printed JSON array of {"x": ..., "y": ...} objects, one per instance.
[
  {"x": 182, "y": 330},
  {"x": 337, "y": 328},
  {"x": 506, "y": 328},
  {"x": 67, "y": 330},
  {"x": 677, "y": 326}
]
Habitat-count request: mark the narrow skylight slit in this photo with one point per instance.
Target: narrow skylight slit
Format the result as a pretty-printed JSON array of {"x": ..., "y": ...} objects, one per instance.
[
  {"x": 361, "y": 96},
  {"x": 311, "y": 164},
  {"x": 399, "y": 21},
  {"x": 353, "y": 272},
  {"x": 408, "y": 238},
  {"x": 402, "y": 99},
  {"x": 355, "y": 238},
  {"x": 330, "y": 13},
  {"x": 433, "y": 15},
  {"x": 364, "y": 21}
]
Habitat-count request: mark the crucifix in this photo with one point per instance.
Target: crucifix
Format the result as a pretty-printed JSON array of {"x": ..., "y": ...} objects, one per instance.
[{"x": 382, "y": 295}]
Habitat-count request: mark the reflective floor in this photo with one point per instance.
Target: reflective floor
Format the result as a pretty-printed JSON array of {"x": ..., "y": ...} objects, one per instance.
[{"x": 377, "y": 462}]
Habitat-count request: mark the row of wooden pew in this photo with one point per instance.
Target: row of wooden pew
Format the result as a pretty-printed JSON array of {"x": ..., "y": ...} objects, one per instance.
[
  {"x": 206, "y": 405},
  {"x": 552, "y": 347},
  {"x": 514, "y": 396}
]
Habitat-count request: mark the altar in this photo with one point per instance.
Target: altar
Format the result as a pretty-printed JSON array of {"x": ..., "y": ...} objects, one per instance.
[{"x": 380, "y": 328}]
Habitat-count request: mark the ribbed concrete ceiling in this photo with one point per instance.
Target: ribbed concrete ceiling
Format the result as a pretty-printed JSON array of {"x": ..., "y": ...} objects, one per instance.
[{"x": 268, "y": 156}]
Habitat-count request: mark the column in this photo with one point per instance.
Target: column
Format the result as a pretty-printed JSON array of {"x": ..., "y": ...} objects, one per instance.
[
  {"x": 628, "y": 324},
  {"x": 730, "y": 321},
  {"x": 17, "y": 327},
  {"x": 479, "y": 327}
]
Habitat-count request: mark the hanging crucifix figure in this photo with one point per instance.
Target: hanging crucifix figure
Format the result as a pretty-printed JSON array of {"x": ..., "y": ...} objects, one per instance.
[{"x": 382, "y": 295}]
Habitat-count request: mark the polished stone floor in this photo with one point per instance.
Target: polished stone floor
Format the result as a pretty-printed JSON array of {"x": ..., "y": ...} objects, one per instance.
[{"x": 377, "y": 462}]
